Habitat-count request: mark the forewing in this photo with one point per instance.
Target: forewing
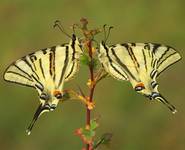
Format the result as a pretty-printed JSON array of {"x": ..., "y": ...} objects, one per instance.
[
  {"x": 22, "y": 71},
  {"x": 16, "y": 74},
  {"x": 107, "y": 60},
  {"x": 72, "y": 70},
  {"x": 73, "y": 63},
  {"x": 34, "y": 69},
  {"x": 133, "y": 58},
  {"x": 144, "y": 57}
]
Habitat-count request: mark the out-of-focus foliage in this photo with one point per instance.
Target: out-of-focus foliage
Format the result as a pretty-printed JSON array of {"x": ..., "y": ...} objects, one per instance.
[{"x": 135, "y": 122}]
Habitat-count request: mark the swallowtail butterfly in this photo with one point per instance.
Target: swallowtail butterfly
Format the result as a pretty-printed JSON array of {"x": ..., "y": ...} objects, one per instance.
[
  {"x": 46, "y": 70},
  {"x": 139, "y": 63}
]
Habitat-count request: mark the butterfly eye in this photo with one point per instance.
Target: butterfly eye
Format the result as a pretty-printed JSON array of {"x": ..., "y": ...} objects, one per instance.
[
  {"x": 44, "y": 96},
  {"x": 139, "y": 87}
]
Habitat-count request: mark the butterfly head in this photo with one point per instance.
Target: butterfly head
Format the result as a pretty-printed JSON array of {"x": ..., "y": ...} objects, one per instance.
[
  {"x": 48, "y": 102},
  {"x": 150, "y": 91}
]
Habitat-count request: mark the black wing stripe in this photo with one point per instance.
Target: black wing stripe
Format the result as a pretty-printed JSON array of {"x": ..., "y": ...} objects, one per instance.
[
  {"x": 52, "y": 62},
  {"x": 65, "y": 65},
  {"x": 20, "y": 83},
  {"x": 22, "y": 76},
  {"x": 37, "y": 81},
  {"x": 154, "y": 84},
  {"x": 111, "y": 64},
  {"x": 33, "y": 58},
  {"x": 133, "y": 44},
  {"x": 26, "y": 61},
  {"x": 166, "y": 58},
  {"x": 54, "y": 59},
  {"x": 44, "y": 51},
  {"x": 115, "y": 69},
  {"x": 153, "y": 74},
  {"x": 73, "y": 47},
  {"x": 22, "y": 71},
  {"x": 144, "y": 56},
  {"x": 168, "y": 66},
  {"x": 121, "y": 63},
  {"x": 165, "y": 52},
  {"x": 73, "y": 57},
  {"x": 154, "y": 63},
  {"x": 153, "y": 59},
  {"x": 155, "y": 47},
  {"x": 132, "y": 56},
  {"x": 147, "y": 47},
  {"x": 38, "y": 87},
  {"x": 71, "y": 71},
  {"x": 41, "y": 67}
]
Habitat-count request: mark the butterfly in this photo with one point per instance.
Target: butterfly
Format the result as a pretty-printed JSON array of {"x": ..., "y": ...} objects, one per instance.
[
  {"x": 46, "y": 70},
  {"x": 140, "y": 64}
]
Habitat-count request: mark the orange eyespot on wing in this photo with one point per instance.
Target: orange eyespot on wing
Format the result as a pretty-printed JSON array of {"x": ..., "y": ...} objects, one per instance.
[
  {"x": 140, "y": 86},
  {"x": 57, "y": 94}
]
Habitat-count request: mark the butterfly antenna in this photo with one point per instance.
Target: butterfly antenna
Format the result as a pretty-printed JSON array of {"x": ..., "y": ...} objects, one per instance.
[
  {"x": 111, "y": 27},
  {"x": 58, "y": 24},
  {"x": 104, "y": 31},
  {"x": 74, "y": 27}
]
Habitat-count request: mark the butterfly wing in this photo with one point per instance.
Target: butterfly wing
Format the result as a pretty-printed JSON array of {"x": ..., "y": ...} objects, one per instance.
[
  {"x": 133, "y": 59},
  {"x": 142, "y": 63},
  {"x": 166, "y": 56},
  {"x": 138, "y": 57},
  {"x": 37, "y": 68},
  {"x": 48, "y": 67},
  {"x": 106, "y": 58},
  {"x": 74, "y": 57},
  {"x": 22, "y": 71}
]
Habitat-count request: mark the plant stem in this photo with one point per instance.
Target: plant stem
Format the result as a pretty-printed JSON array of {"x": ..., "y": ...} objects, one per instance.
[{"x": 91, "y": 91}]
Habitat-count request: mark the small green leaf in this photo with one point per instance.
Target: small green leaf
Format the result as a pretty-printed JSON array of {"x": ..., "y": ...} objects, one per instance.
[
  {"x": 93, "y": 125},
  {"x": 84, "y": 59},
  {"x": 87, "y": 133}
]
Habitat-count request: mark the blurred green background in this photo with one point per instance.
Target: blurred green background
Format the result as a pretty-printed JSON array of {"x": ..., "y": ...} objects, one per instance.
[{"x": 136, "y": 123}]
